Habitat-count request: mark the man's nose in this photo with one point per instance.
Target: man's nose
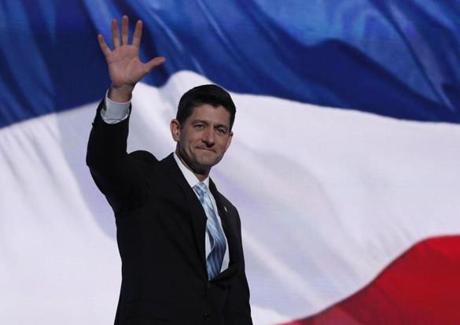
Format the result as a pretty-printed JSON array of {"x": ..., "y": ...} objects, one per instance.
[{"x": 208, "y": 137}]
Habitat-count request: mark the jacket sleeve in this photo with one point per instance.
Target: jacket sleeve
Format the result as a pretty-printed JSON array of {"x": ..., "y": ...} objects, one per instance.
[{"x": 116, "y": 174}]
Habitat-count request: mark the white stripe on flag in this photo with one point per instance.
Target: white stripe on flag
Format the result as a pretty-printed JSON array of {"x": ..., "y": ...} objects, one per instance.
[{"x": 327, "y": 198}]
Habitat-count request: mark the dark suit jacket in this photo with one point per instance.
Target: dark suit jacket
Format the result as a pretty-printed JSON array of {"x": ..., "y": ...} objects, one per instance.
[{"x": 161, "y": 238}]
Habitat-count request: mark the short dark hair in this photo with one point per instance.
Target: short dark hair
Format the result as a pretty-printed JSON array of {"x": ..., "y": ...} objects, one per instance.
[{"x": 205, "y": 94}]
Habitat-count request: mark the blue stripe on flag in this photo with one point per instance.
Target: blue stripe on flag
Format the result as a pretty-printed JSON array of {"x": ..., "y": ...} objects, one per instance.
[{"x": 394, "y": 58}]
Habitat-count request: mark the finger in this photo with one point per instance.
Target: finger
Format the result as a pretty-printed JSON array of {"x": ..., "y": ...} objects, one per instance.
[
  {"x": 124, "y": 30},
  {"x": 103, "y": 45},
  {"x": 115, "y": 34},
  {"x": 137, "y": 36},
  {"x": 155, "y": 62}
]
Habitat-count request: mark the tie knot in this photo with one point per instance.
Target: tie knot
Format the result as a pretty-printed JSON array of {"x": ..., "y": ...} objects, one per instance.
[{"x": 201, "y": 189}]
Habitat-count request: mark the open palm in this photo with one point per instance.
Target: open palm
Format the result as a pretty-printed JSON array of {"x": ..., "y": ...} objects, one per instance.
[{"x": 125, "y": 67}]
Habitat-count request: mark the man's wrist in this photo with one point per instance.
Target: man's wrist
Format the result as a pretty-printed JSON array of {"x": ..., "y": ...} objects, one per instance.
[
  {"x": 114, "y": 111},
  {"x": 121, "y": 94}
]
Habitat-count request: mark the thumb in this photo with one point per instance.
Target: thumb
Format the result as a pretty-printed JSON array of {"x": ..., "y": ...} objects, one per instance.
[{"x": 153, "y": 63}]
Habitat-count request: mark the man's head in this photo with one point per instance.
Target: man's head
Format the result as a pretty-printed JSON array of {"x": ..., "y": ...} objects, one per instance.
[
  {"x": 205, "y": 94},
  {"x": 203, "y": 127}
]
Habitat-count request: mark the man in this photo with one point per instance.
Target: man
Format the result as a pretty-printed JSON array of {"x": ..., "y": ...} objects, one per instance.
[{"x": 179, "y": 238}]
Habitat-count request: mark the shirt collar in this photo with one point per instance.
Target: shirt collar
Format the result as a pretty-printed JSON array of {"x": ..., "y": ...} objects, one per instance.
[{"x": 190, "y": 177}]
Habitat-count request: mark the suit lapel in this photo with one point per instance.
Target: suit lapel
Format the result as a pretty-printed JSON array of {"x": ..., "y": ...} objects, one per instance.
[
  {"x": 231, "y": 232},
  {"x": 229, "y": 224},
  {"x": 197, "y": 214}
]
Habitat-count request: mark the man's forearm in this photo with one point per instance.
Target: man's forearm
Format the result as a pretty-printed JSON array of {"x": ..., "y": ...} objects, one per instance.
[{"x": 107, "y": 142}]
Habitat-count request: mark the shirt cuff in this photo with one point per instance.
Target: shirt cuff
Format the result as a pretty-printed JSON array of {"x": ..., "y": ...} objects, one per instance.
[{"x": 114, "y": 112}]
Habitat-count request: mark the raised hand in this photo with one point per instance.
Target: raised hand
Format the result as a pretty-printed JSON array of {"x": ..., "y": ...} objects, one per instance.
[{"x": 125, "y": 67}]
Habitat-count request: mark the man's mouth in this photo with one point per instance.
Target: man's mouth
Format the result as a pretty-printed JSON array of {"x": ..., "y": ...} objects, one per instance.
[{"x": 206, "y": 149}]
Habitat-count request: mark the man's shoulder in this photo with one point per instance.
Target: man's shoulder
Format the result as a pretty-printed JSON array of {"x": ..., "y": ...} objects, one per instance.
[
  {"x": 143, "y": 155},
  {"x": 226, "y": 202},
  {"x": 146, "y": 161}
]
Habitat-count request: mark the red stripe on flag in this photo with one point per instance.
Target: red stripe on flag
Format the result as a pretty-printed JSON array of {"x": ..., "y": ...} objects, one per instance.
[{"x": 420, "y": 287}]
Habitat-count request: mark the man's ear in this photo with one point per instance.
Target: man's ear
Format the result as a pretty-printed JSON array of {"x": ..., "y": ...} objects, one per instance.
[{"x": 175, "y": 129}]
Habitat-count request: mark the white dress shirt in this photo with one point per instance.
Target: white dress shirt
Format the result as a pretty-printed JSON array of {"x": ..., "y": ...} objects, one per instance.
[{"x": 116, "y": 112}]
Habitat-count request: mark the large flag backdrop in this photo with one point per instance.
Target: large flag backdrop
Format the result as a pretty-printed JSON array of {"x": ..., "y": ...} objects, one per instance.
[{"x": 344, "y": 165}]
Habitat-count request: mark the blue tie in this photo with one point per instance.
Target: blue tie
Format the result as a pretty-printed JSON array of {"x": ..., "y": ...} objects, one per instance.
[{"x": 215, "y": 232}]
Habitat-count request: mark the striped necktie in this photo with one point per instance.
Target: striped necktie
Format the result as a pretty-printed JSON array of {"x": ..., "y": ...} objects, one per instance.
[{"x": 215, "y": 232}]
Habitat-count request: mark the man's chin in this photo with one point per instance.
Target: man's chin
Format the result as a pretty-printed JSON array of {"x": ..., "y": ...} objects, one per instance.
[
  {"x": 201, "y": 164},
  {"x": 205, "y": 164}
]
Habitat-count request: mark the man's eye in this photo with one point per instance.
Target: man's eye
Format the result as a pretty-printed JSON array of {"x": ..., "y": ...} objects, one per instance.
[
  {"x": 199, "y": 126},
  {"x": 222, "y": 130}
]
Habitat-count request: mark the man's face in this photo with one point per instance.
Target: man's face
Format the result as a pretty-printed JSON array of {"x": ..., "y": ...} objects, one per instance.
[{"x": 203, "y": 138}]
